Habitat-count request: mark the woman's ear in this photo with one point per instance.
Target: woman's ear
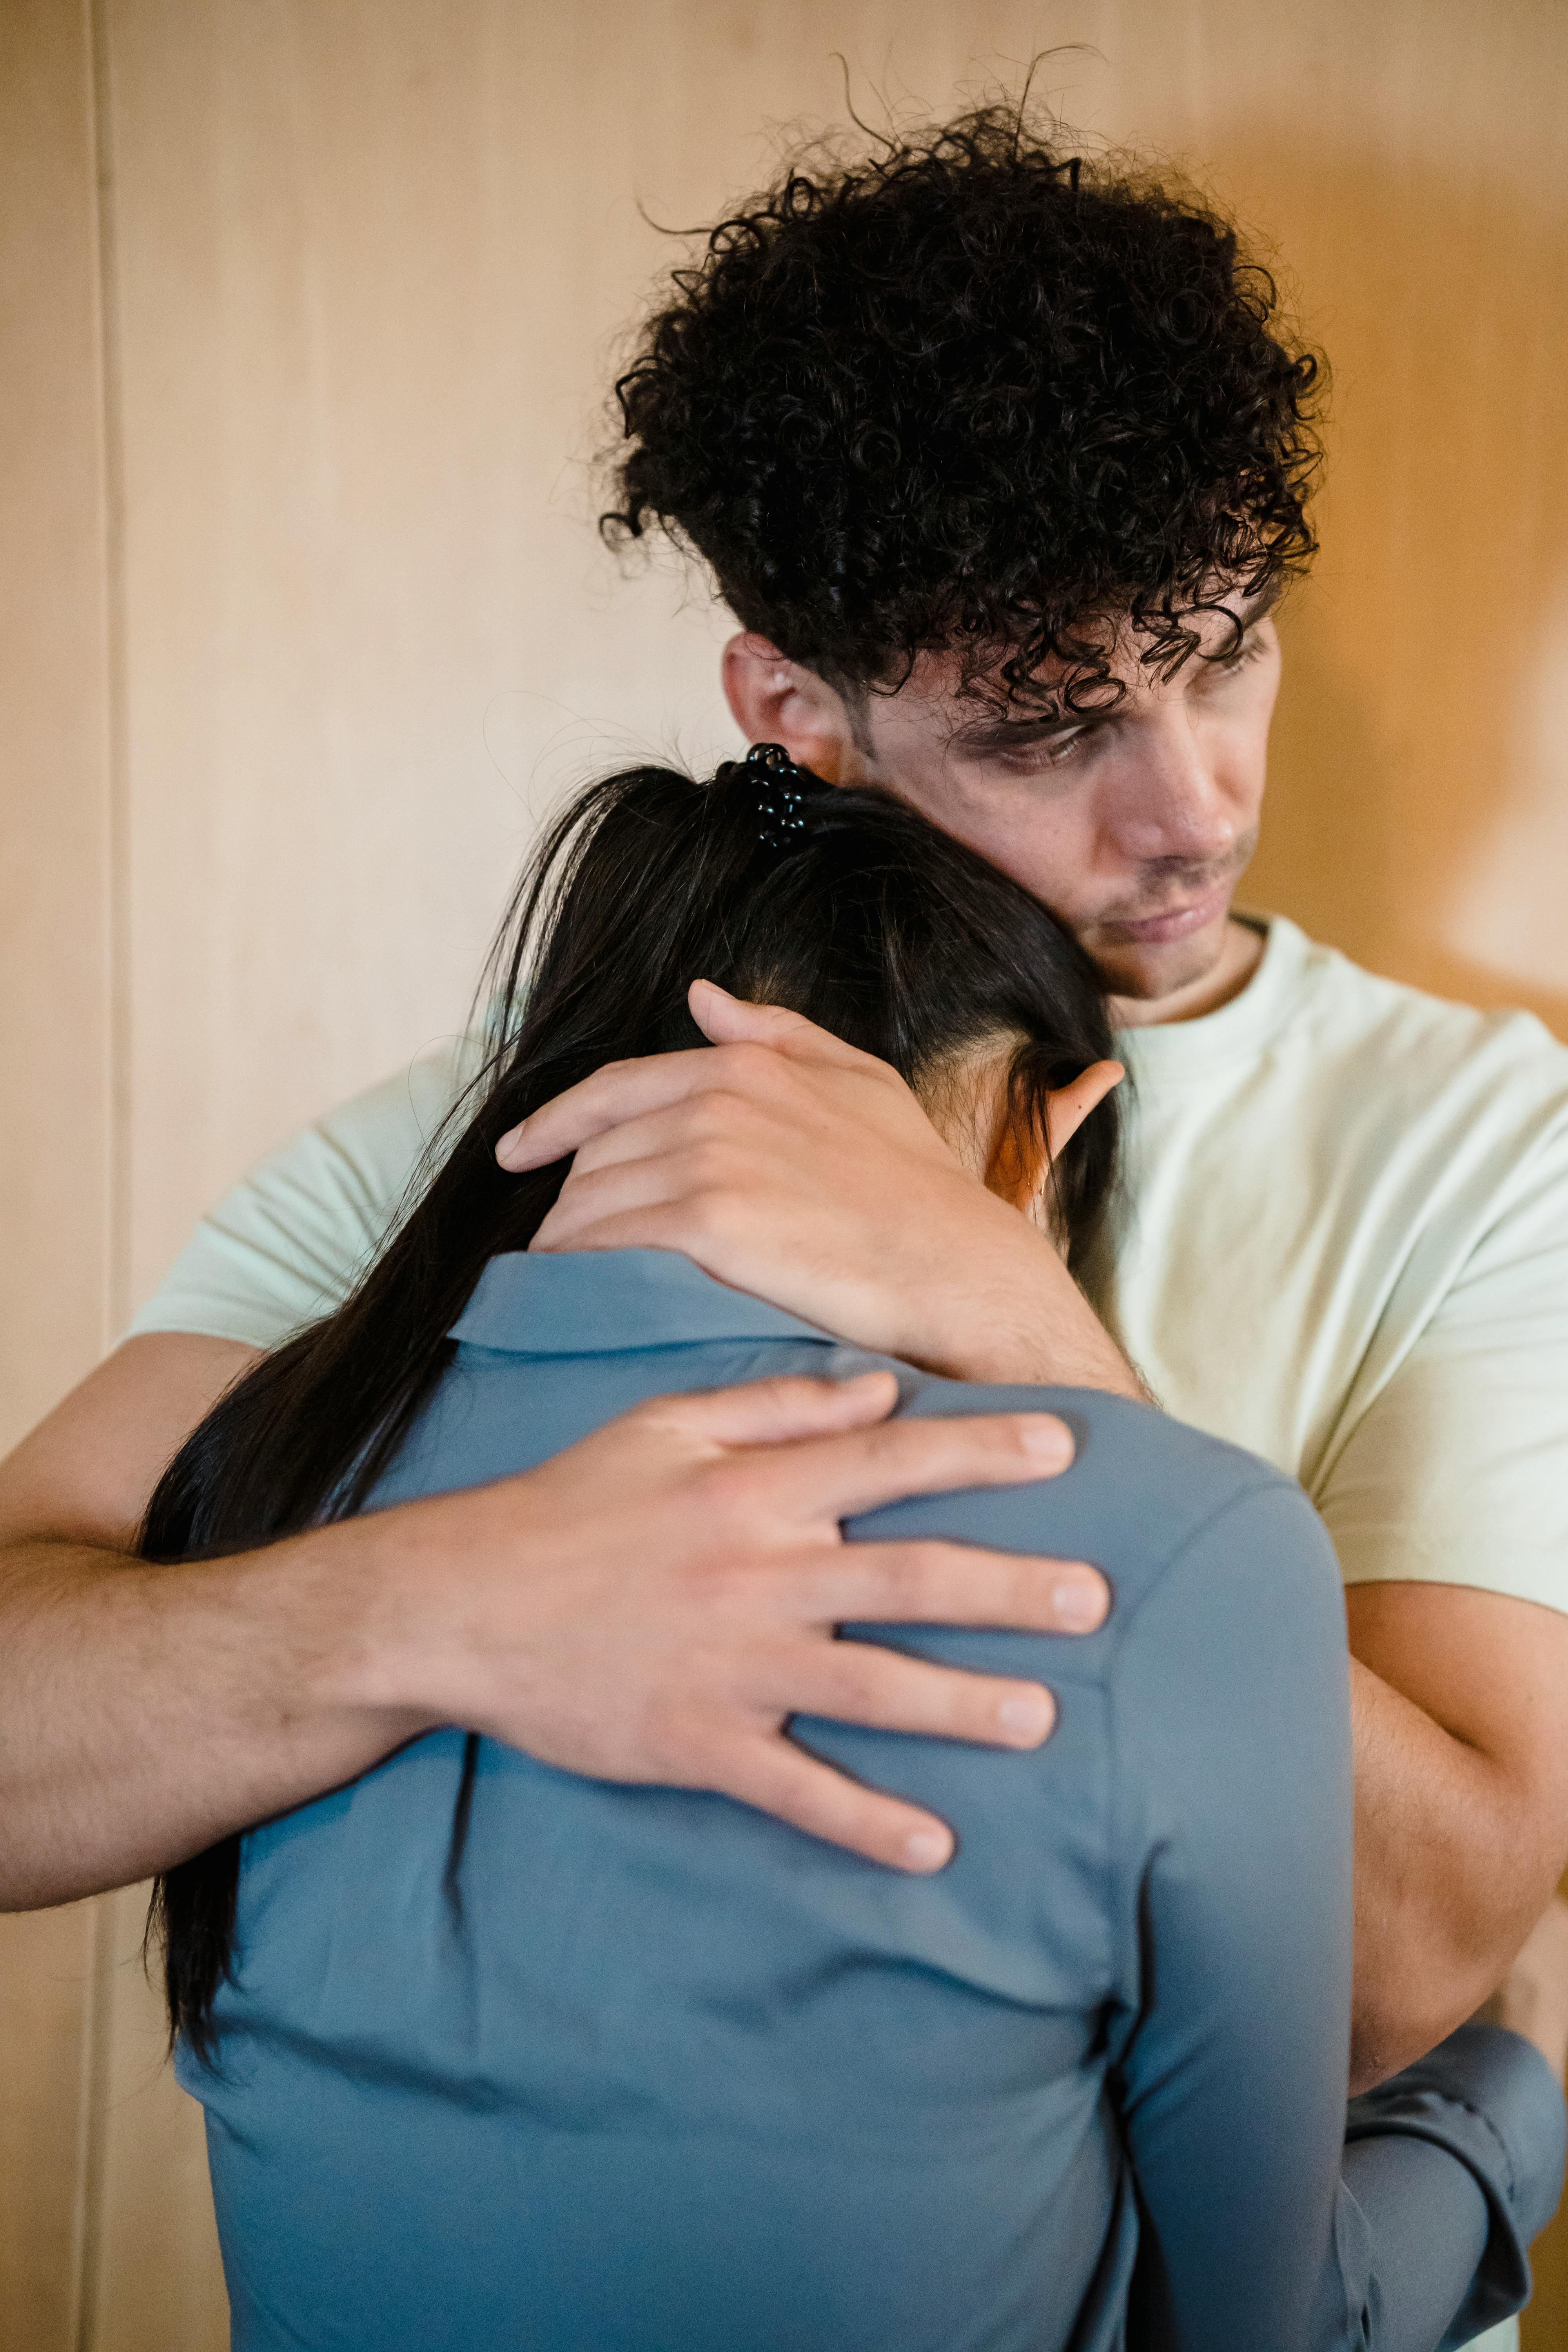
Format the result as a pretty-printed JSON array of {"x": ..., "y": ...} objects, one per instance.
[
  {"x": 773, "y": 701},
  {"x": 1020, "y": 1169},
  {"x": 1067, "y": 1106}
]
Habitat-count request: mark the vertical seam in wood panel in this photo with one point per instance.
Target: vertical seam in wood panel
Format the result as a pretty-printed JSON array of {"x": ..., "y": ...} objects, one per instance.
[
  {"x": 94, "y": 2126},
  {"x": 118, "y": 1270},
  {"x": 89, "y": 2232}
]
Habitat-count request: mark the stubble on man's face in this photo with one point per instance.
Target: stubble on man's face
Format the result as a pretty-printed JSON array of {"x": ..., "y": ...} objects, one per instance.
[{"x": 1134, "y": 824}]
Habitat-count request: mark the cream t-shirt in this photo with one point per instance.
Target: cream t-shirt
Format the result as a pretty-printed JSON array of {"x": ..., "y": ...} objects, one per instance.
[{"x": 1342, "y": 1242}]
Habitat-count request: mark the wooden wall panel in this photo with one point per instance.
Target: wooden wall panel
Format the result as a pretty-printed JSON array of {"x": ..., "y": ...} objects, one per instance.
[
  {"x": 54, "y": 1040},
  {"x": 153, "y": 2279},
  {"x": 369, "y": 263},
  {"x": 54, "y": 721},
  {"x": 375, "y": 256},
  {"x": 46, "y": 1977}
]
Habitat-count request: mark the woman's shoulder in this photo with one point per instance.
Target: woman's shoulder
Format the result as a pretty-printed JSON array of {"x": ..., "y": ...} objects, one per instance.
[{"x": 1142, "y": 1495}]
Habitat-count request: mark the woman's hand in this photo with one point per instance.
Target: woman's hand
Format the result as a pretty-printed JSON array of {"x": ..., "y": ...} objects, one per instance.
[{"x": 789, "y": 1165}]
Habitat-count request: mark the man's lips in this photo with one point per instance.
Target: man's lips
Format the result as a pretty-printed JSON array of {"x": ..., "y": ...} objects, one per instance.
[{"x": 1176, "y": 922}]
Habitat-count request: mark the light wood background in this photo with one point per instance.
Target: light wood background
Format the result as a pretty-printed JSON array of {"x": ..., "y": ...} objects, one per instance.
[{"x": 308, "y": 307}]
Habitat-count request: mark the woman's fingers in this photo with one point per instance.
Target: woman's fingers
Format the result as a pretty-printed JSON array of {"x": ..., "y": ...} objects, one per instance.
[{"x": 778, "y": 1777}]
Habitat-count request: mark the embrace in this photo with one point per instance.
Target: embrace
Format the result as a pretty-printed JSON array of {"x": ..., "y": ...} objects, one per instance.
[{"x": 722, "y": 1612}]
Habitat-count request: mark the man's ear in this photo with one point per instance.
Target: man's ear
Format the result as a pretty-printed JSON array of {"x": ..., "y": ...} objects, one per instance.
[{"x": 773, "y": 701}]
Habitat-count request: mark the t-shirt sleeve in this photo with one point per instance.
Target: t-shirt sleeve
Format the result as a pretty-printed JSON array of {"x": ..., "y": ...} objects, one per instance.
[
  {"x": 288, "y": 1242},
  {"x": 1457, "y": 1470}
]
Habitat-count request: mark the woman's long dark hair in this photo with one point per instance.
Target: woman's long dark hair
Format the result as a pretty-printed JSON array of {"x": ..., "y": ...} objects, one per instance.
[{"x": 844, "y": 907}]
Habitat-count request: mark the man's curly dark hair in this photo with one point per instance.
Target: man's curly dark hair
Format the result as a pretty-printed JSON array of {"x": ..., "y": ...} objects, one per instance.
[{"x": 974, "y": 392}]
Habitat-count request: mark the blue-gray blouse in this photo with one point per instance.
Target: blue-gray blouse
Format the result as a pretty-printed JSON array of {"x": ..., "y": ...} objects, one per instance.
[{"x": 675, "y": 2078}]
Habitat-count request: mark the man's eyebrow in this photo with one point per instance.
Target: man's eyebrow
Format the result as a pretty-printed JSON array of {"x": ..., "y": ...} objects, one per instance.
[{"x": 1257, "y": 608}]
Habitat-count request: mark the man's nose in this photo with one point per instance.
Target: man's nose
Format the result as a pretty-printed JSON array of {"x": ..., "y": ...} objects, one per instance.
[{"x": 1173, "y": 803}]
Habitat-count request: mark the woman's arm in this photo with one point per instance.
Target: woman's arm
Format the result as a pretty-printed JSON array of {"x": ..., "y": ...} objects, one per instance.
[{"x": 1233, "y": 1739}]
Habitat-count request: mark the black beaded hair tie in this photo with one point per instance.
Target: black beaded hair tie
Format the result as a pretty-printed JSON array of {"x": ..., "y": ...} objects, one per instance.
[{"x": 779, "y": 791}]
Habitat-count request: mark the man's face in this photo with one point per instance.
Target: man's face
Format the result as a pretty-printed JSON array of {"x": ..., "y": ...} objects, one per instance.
[{"x": 1134, "y": 828}]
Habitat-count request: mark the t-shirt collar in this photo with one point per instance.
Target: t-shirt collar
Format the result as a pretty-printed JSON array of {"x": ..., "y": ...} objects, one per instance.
[
  {"x": 1239, "y": 1030},
  {"x": 592, "y": 1302}
]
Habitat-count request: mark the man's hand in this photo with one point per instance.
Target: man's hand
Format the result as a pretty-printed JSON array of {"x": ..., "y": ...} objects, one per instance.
[
  {"x": 654, "y": 1602},
  {"x": 789, "y": 1165},
  {"x": 651, "y": 1605}
]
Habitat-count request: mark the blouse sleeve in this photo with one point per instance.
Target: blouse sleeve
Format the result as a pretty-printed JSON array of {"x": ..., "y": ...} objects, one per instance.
[{"x": 1231, "y": 1712}]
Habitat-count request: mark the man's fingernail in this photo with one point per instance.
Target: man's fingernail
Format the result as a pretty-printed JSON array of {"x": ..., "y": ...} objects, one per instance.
[
  {"x": 1048, "y": 1439},
  {"x": 1028, "y": 1714},
  {"x": 1081, "y": 1602},
  {"x": 926, "y": 1849}
]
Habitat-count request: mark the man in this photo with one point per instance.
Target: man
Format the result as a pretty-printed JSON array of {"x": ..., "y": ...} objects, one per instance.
[{"x": 1000, "y": 464}]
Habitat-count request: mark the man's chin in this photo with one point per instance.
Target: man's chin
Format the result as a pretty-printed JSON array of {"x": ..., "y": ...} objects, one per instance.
[{"x": 1142, "y": 972}]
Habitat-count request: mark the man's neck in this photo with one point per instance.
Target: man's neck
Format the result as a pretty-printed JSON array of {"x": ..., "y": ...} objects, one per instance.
[{"x": 1238, "y": 959}]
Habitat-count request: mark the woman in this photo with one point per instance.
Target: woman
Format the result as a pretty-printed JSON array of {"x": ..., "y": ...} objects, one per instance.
[{"x": 495, "y": 2055}]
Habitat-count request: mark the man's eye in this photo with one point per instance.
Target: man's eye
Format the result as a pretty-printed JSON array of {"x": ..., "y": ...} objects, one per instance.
[
  {"x": 1045, "y": 751},
  {"x": 1058, "y": 748},
  {"x": 1247, "y": 651}
]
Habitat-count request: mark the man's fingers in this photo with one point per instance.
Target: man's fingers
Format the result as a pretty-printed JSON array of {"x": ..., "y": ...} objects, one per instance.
[
  {"x": 776, "y": 1411},
  {"x": 728, "y": 1020},
  {"x": 856, "y": 1473},
  {"x": 748, "y": 1039},
  {"x": 623, "y": 1091},
  {"x": 781, "y": 1779},
  {"x": 629, "y": 1188},
  {"x": 934, "y": 1583},
  {"x": 620, "y": 1091},
  {"x": 675, "y": 1134},
  {"x": 855, "y": 1681}
]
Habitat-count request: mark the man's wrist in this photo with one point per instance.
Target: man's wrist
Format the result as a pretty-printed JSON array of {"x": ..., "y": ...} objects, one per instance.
[
  {"x": 369, "y": 1634},
  {"x": 1024, "y": 1321}
]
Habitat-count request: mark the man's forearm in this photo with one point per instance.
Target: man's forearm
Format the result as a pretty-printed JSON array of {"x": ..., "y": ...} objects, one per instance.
[
  {"x": 1021, "y": 1318},
  {"x": 147, "y": 1711},
  {"x": 1048, "y": 1336},
  {"x": 1454, "y": 1863}
]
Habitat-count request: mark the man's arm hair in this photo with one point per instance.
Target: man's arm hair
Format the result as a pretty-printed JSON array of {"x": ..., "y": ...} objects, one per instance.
[{"x": 143, "y": 1710}]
